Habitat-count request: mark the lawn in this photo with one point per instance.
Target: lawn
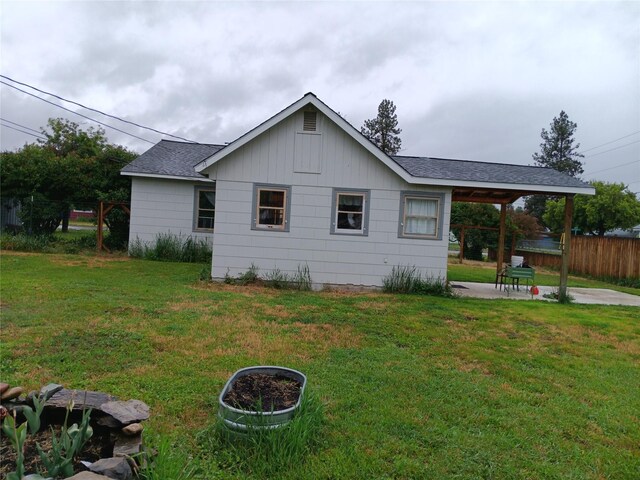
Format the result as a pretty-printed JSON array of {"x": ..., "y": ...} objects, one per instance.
[{"x": 412, "y": 386}]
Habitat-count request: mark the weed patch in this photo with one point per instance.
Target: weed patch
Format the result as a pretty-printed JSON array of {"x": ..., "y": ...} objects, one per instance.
[{"x": 408, "y": 279}]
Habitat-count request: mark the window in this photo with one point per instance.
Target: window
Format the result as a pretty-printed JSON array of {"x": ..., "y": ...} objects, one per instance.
[
  {"x": 420, "y": 215},
  {"x": 350, "y": 212},
  {"x": 271, "y": 207},
  {"x": 205, "y": 209}
]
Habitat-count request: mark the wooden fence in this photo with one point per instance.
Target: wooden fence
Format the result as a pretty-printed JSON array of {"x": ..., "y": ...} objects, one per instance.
[{"x": 595, "y": 256}]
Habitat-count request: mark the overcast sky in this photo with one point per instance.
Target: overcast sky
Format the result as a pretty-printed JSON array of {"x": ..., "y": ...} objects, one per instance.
[{"x": 473, "y": 81}]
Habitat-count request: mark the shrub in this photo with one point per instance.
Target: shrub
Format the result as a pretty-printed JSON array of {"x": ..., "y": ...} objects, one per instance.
[
  {"x": 407, "y": 279},
  {"x": 26, "y": 243}
]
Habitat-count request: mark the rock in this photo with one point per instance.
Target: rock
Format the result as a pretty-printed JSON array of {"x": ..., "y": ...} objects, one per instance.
[
  {"x": 48, "y": 390},
  {"x": 81, "y": 398},
  {"x": 109, "y": 421},
  {"x": 126, "y": 446},
  {"x": 131, "y": 411},
  {"x": 87, "y": 476},
  {"x": 3, "y": 387},
  {"x": 116, "y": 468},
  {"x": 12, "y": 393},
  {"x": 133, "y": 429}
]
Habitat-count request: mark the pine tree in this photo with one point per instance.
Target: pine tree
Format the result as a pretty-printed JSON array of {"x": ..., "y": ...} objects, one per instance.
[
  {"x": 383, "y": 130},
  {"x": 557, "y": 151}
]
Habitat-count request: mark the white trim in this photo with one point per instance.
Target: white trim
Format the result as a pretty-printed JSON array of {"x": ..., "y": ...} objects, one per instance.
[
  {"x": 168, "y": 177},
  {"x": 503, "y": 186}
]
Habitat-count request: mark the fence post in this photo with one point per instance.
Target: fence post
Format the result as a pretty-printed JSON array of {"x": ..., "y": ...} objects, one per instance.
[{"x": 461, "y": 244}]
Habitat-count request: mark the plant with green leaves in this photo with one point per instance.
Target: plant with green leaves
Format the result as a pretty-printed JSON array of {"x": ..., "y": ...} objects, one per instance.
[
  {"x": 33, "y": 418},
  {"x": 17, "y": 436},
  {"x": 58, "y": 461},
  {"x": 167, "y": 463}
]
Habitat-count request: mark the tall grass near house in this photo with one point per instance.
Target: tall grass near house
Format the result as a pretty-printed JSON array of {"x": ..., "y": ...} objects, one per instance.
[
  {"x": 408, "y": 279},
  {"x": 169, "y": 247}
]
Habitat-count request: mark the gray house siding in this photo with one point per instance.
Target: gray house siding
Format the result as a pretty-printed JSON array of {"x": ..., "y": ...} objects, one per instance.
[
  {"x": 163, "y": 206},
  {"x": 332, "y": 259}
]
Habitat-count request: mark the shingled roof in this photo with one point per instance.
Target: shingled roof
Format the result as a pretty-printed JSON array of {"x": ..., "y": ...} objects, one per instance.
[
  {"x": 172, "y": 159},
  {"x": 472, "y": 171}
]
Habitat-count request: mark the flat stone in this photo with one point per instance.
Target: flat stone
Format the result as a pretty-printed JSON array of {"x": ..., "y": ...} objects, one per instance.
[
  {"x": 131, "y": 411},
  {"x": 116, "y": 468},
  {"x": 133, "y": 429},
  {"x": 109, "y": 422},
  {"x": 48, "y": 390},
  {"x": 81, "y": 398},
  {"x": 4, "y": 387},
  {"x": 126, "y": 446},
  {"x": 12, "y": 393},
  {"x": 87, "y": 476}
]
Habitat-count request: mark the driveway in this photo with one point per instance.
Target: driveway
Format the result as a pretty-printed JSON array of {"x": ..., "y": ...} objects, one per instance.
[{"x": 598, "y": 296}]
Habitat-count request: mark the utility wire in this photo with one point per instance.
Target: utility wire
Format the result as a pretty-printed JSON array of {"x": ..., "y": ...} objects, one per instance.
[
  {"x": 21, "y": 126},
  {"x": 612, "y": 149},
  {"x": 611, "y": 168},
  {"x": 602, "y": 144},
  {"x": 95, "y": 110},
  {"x": 76, "y": 113},
  {"x": 22, "y": 131}
]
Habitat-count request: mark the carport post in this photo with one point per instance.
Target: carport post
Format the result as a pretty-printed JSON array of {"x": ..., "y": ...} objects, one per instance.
[
  {"x": 503, "y": 222},
  {"x": 566, "y": 248}
]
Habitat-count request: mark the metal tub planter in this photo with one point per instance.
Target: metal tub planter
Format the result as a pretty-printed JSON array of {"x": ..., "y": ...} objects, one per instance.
[{"x": 257, "y": 417}]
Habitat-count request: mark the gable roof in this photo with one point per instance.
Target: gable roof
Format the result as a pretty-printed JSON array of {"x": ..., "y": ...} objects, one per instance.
[
  {"x": 180, "y": 160},
  {"x": 171, "y": 159},
  {"x": 309, "y": 98}
]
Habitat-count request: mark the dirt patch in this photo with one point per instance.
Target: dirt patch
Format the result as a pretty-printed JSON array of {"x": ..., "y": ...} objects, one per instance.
[
  {"x": 259, "y": 391},
  {"x": 98, "y": 446}
]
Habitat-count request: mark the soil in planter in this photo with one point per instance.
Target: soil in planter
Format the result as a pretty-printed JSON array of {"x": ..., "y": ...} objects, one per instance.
[
  {"x": 265, "y": 392},
  {"x": 97, "y": 447}
]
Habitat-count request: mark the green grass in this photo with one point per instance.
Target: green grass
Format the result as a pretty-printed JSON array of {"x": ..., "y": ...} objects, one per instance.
[
  {"x": 411, "y": 386},
  {"x": 486, "y": 273}
]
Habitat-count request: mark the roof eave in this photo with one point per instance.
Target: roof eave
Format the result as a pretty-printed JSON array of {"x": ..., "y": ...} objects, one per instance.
[
  {"x": 552, "y": 189},
  {"x": 167, "y": 177}
]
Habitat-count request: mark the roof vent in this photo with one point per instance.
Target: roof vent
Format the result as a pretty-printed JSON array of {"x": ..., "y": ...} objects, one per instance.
[{"x": 309, "y": 123}]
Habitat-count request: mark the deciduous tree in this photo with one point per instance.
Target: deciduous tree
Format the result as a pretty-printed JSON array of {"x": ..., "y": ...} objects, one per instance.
[{"x": 612, "y": 207}]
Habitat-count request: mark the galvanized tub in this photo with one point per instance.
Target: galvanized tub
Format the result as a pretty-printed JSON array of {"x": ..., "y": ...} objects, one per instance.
[{"x": 243, "y": 420}]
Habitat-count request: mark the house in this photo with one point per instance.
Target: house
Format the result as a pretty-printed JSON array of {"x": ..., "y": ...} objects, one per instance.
[{"x": 305, "y": 187}]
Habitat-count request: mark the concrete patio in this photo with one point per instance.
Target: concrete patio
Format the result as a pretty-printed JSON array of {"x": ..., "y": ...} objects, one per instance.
[{"x": 594, "y": 296}]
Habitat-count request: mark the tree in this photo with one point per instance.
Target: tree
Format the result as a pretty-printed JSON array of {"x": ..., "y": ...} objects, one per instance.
[
  {"x": 613, "y": 206},
  {"x": 557, "y": 151},
  {"x": 383, "y": 130},
  {"x": 71, "y": 167},
  {"x": 479, "y": 215}
]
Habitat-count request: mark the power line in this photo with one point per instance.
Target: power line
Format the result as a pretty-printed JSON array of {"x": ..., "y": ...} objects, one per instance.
[
  {"x": 603, "y": 144},
  {"x": 615, "y": 166},
  {"x": 612, "y": 149},
  {"x": 95, "y": 110},
  {"x": 76, "y": 113},
  {"x": 22, "y": 131},
  {"x": 21, "y": 126}
]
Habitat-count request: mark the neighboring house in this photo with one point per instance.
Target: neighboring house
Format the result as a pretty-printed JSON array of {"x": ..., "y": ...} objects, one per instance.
[
  {"x": 633, "y": 232},
  {"x": 9, "y": 219},
  {"x": 305, "y": 187}
]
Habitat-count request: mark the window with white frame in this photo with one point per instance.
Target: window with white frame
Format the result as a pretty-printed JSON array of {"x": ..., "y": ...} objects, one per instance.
[
  {"x": 271, "y": 207},
  {"x": 350, "y": 212},
  {"x": 205, "y": 209},
  {"x": 420, "y": 215}
]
